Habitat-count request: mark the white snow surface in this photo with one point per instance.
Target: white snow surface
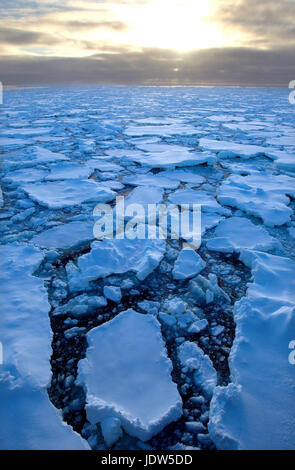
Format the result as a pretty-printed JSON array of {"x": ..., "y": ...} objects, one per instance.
[
  {"x": 59, "y": 194},
  {"x": 30, "y": 422},
  {"x": 127, "y": 375},
  {"x": 237, "y": 233},
  {"x": 256, "y": 410}
]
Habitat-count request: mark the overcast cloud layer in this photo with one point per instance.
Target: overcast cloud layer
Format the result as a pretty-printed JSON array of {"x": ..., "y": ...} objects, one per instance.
[{"x": 47, "y": 42}]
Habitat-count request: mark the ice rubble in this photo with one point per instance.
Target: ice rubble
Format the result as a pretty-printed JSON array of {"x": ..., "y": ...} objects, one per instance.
[
  {"x": 194, "y": 359},
  {"x": 127, "y": 375},
  {"x": 256, "y": 410},
  {"x": 115, "y": 257},
  {"x": 29, "y": 420},
  {"x": 59, "y": 194},
  {"x": 236, "y": 233}
]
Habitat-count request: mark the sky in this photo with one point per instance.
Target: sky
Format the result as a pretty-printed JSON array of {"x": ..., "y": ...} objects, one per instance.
[{"x": 147, "y": 42}]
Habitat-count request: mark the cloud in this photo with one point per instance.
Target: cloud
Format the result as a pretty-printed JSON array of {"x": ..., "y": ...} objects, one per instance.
[
  {"x": 230, "y": 66},
  {"x": 264, "y": 22},
  {"x": 14, "y": 36},
  {"x": 87, "y": 25}
]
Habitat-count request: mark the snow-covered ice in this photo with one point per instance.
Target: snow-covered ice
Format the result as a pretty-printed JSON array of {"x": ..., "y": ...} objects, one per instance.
[
  {"x": 187, "y": 265},
  {"x": 29, "y": 420},
  {"x": 115, "y": 257},
  {"x": 233, "y": 149},
  {"x": 255, "y": 411},
  {"x": 127, "y": 375},
  {"x": 192, "y": 357},
  {"x": 236, "y": 233},
  {"x": 59, "y": 194},
  {"x": 65, "y": 236}
]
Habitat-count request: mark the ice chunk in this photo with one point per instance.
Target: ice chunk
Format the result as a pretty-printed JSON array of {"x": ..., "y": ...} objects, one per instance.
[
  {"x": 116, "y": 257},
  {"x": 198, "y": 326},
  {"x": 25, "y": 176},
  {"x": 285, "y": 161},
  {"x": 59, "y": 194},
  {"x": 151, "y": 180},
  {"x": 184, "y": 176},
  {"x": 111, "y": 430},
  {"x": 113, "y": 293},
  {"x": 168, "y": 156},
  {"x": 65, "y": 236},
  {"x": 127, "y": 375},
  {"x": 256, "y": 410},
  {"x": 190, "y": 196},
  {"x": 269, "y": 204},
  {"x": 225, "y": 118},
  {"x": 68, "y": 170},
  {"x": 188, "y": 264},
  {"x": 144, "y": 195},
  {"x": 193, "y": 358},
  {"x": 232, "y": 149},
  {"x": 236, "y": 233},
  {"x": 284, "y": 140}
]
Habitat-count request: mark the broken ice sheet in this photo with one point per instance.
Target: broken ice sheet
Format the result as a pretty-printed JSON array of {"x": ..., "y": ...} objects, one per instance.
[
  {"x": 59, "y": 194},
  {"x": 127, "y": 375},
  {"x": 115, "y": 257}
]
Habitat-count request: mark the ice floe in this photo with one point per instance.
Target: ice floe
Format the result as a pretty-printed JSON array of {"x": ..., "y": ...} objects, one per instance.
[
  {"x": 236, "y": 233},
  {"x": 31, "y": 421},
  {"x": 256, "y": 410},
  {"x": 262, "y": 197},
  {"x": 127, "y": 375},
  {"x": 115, "y": 257},
  {"x": 65, "y": 237},
  {"x": 59, "y": 194},
  {"x": 233, "y": 149},
  {"x": 187, "y": 265}
]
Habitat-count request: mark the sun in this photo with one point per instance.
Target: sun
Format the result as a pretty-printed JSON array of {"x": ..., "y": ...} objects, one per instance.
[{"x": 181, "y": 25}]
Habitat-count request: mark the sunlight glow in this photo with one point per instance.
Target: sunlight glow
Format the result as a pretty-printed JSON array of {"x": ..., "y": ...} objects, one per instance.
[{"x": 181, "y": 25}]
